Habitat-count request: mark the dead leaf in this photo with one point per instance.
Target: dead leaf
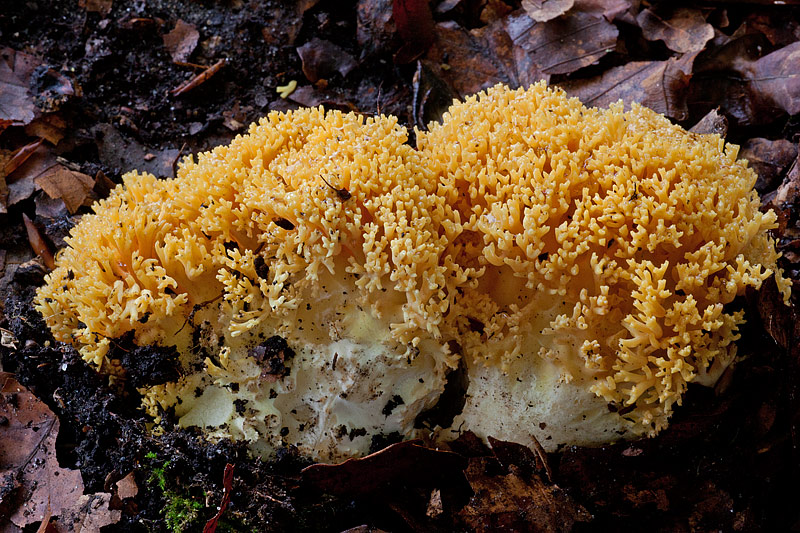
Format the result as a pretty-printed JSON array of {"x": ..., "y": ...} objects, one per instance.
[
  {"x": 405, "y": 462},
  {"x": 375, "y": 29},
  {"x": 96, "y": 6},
  {"x": 126, "y": 487},
  {"x": 3, "y": 196},
  {"x": 19, "y": 157},
  {"x": 123, "y": 154},
  {"x": 770, "y": 160},
  {"x": 38, "y": 244},
  {"x": 544, "y": 10},
  {"x": 659, "y": 85},
  {"x": 470, "y": 61},
  {"x": 75, "y": 188},
  {"x": 610, "y": 9},
  {"x": 684, "y": 30},
  {"x": 31, "y": 478},
  {"x": 16, "y": 102},
  {"x": 712, "y": 122},
  {"x": 515, "y": 502},
  {"x": 50, "y": 127},
  {"x": 88, "y": 514},
  {"x": 750, "y": 89},
  {"x": 322, "y": 59},
  {"x": 565, "y": 44},
  {"x": 181, "y": 41},
  {"x": 415, "y": 26},
  {"x": 23, "y": 185}
]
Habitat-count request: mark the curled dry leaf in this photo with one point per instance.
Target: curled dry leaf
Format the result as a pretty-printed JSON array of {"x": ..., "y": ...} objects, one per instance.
[
  {"x": 181, "y": 41},
  {"x": 322, "y": 59},
  {"x": 38, "y": 243},
  {"x": 659, "y": 85},
  {"x": 712, "y": 122},
  {"x": 685, "y": 30},
  {"x": 74, "y": 188}
]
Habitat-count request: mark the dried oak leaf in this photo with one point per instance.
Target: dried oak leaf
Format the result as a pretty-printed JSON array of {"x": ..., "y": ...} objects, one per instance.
[
  {"x": 515, "y": 502},
  {"x": 73, "y": 187},
  {"x": 407, "y": 462},
  {"x": 181, "y": 41},
  {"x": 322, "y": 59},
  {"x": 659, "y": 85},
  {"x": 31, "y": 481},
  {"x": 565, "y": 44},
  {"x": 544, "y": 10},
  {"x": 21, "y": 184},
  {"x": 684, "y": 30},
  {"x": 16, "y": 101}
]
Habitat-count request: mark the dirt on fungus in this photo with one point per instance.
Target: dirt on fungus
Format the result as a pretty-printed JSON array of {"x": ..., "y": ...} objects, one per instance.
[{"x": 92, "y": 88}]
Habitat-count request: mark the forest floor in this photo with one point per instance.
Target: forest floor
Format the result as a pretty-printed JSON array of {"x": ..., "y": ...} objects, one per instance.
[{"x": 90, "y": 89}]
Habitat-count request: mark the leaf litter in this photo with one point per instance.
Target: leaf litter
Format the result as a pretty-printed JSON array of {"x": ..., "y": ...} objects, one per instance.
[{"x": 111, "y": 87}]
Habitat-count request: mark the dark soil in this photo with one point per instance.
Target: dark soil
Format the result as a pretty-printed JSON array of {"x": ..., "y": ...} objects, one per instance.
[{"x": 728, "y": 462}]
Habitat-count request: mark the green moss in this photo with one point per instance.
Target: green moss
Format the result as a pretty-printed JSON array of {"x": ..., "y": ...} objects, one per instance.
[{"x": 182, "y": 513}]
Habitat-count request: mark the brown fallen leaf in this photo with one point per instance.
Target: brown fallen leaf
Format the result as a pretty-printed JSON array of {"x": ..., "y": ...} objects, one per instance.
[
  {"x": 405, "y": 462},
  {"x": 74, "y": 187},
  {"x": 375, "y": 28},
  {"x": 50, "y": 127},
  {"x": 123, "y": 153},
  {"x": 16, "y": 102},
  {"x": 515, "y": 502},
  {"x": 470, "y": 61},
  {"x": 659, "y": 85},
  {"x": 566, "y": 44},
  {"x": 610, "y": 9},
  {"x": 544, "y": 10},
  {"x": 87, "y": 514},
  {"x": 22, "y": 186},
  {"x": 127, "y": 487},
  {"x": 322, "y": 59},
  {"x": 96, "y": 6},
  {"x": 18, "y": 158},
  {"x": 38, "y": 244},
  {"x": 683, "y": 30},
  {"x": 712, "y": 122},
  {"x": 3, "y": 195},
  {"x": 181, "y": 41},
  {"x": 750, "y": 89},
  {"x": 31, "y": 478},
  {"x": 770, "y": 160}
]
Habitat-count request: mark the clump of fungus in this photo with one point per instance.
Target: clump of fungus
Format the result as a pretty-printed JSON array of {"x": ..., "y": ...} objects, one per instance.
[
  {"x": 297, "y": 271},
  {"x": 608, "y": 244},
  {"x": 321, "y": 278}
]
